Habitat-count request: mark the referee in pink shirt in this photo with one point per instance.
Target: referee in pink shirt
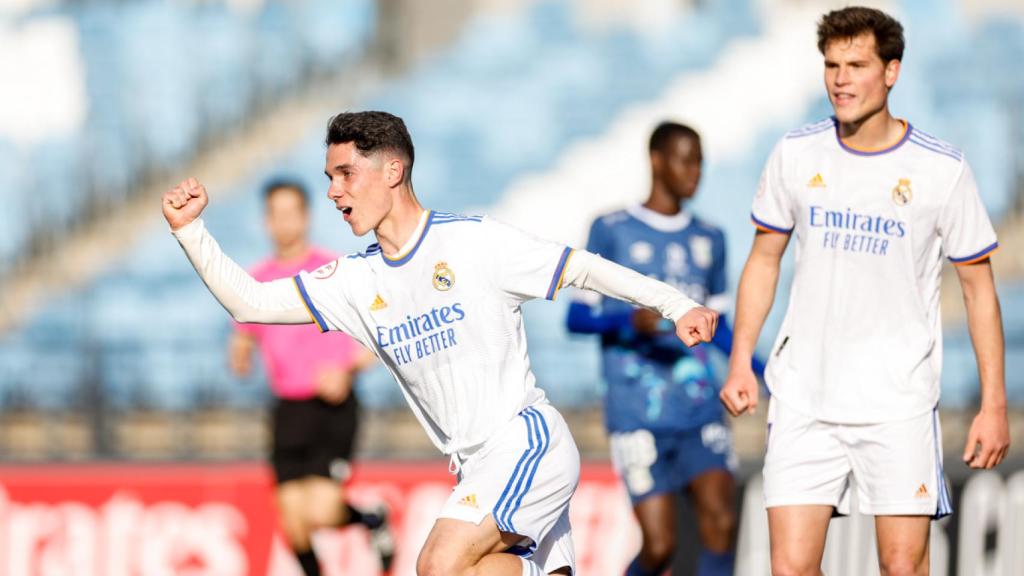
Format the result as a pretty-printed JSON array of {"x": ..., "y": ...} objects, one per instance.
[{"x": 311, "y": 374}]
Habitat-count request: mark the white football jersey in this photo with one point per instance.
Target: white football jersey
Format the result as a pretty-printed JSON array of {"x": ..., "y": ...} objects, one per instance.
[
  {"x": 862, "y": 339},
  {"x": 445, "y": 319}
]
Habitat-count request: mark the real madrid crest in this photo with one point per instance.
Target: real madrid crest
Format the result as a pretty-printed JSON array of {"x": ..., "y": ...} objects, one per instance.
[
  {"x": 444, "y": 278},
  {"x": 901, "y": 194}
]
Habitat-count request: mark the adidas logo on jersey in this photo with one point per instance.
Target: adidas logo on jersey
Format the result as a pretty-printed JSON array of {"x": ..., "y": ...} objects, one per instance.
[
  {"x": 469, "y": 500},
  {"x": 816, "y": 182},
  {"x": 378, "y": 304},
  {"x": 922, "y": 492}
]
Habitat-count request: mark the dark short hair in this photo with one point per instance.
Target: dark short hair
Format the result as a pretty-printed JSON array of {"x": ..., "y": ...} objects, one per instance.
[
  {"x": 667, "y": 132},
  {"x": 373, "y": 132},
  {"x": 856, "y": 20},
  {"x": 279, "y": 183}
]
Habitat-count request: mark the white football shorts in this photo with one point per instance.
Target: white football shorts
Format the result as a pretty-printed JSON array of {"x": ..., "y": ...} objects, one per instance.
[
  {"x": 524, "y": 476},
  {"x": 897, "y": 465}
]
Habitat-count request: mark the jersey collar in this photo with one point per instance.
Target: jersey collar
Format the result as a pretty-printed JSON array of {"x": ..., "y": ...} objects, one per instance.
[
  {"x": 907, "y": 129},
  {"x": 407, "y": 251},
  {"x": 658, "y": 221}
]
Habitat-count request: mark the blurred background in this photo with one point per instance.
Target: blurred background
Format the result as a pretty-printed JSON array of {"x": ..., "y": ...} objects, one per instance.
[{"x": 113, "y": 370}]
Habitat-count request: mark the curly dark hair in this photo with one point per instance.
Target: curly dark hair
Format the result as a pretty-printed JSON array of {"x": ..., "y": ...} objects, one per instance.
[
  {"x": 372, "y": 132},
  {"x": 856, "y": 20}
]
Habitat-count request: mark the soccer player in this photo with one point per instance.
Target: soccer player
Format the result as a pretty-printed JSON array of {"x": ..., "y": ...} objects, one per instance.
[
  {"x": 438, "y": 298},
  {"x": 873, "y": 204},
  {"x": 662, "y": 413},
  {"x": 316, "y": 413}
]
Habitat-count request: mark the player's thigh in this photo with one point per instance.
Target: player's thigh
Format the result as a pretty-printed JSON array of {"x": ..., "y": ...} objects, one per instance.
[
  {"x": 454, "y": 545},
  {"x": 903, "y": 544},
  {"x": 705, "y": 463},
  {"x": 656, "y": 515},
  {"x": 713, "y": 494},
  {"x": 323, "y": 502},
  {"x": 290, "y": 497},
  {"x": 797, "y": 535}
]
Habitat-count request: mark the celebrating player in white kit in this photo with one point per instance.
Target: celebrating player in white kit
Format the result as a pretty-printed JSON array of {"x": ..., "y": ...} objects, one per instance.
[
  {"x": 438, "y": 298},
  {"x": 873, "y": 203}
]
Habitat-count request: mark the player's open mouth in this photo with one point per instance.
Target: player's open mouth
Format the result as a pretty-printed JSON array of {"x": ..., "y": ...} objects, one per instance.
[{"x": 347, "y": 212}]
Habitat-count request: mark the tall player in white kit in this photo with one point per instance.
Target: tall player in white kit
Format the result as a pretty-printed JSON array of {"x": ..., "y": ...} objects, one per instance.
[
  {"x": 438, "y": 298},
  {"x": 873, "y": 204}
]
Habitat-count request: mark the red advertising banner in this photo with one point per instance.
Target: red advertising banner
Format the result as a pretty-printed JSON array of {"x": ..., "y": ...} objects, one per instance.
[{"x": 219, "y": 520}]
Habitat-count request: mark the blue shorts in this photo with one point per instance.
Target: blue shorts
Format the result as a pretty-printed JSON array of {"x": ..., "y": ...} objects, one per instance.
[{"x": 652, "y": 463}]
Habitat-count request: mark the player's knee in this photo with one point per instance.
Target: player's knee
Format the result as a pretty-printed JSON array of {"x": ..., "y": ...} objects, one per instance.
[
  {"x": 783, "y": 566},
  {"x": 657, "y": 549},
  {"x": 717, "y": 528},
  {"x": 903, "y": 565},
  {"x": 433, "y": 563}
]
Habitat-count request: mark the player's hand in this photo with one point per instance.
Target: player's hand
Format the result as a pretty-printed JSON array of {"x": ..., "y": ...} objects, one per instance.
[
  {"x": 240, "y": 355},
  {"x": 649, "y": 322},
  {"x": 696, "y": 326},
  {"x": 988, "y": 440},
  {"x": 740, "y": 391},
  {"x": 333, "y": 385},
  {"x": 184, "y": 203}
]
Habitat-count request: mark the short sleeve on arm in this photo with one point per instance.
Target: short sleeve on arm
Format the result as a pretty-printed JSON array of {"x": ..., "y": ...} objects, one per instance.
[
  {"x": 325, "y": 295},
  {"x": 964, "y": 225},
  {"x": 600, "y": 242},
  {"x": 524, "y": 266},
  {"x": 772, "y": 210}
]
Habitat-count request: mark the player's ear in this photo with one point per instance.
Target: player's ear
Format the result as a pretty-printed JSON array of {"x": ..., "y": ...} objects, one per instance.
[
  {"x": 892, "y": 73},
  {"x": 394, "y": 172},
  {"x": 657, "y": 161}
]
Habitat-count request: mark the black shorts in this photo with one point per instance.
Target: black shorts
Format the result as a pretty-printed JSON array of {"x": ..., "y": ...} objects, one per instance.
[{"x": 313, "y": 438}]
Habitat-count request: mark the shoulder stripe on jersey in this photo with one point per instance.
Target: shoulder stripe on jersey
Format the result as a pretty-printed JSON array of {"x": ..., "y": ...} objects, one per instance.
[
  {"x": 945, "y": 152},
  {"x": 439, "y": 216},
  {"x": 810, "y": 129},
  {"x": 313, "y": 312},
  {"x": 443, "y": 220},
  {"x": 937, "y": 141},
  {"x": 371, "y": 250},
  {"x": 764, "y": 226},
  {"x": 556, "y": 280},
  {"x": 977, "y": 256}
]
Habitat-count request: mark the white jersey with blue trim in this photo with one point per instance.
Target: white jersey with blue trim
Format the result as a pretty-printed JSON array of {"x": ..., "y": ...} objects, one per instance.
[
  {"x": 445, "y": 319},
  {"x": 862, "y": 338}
]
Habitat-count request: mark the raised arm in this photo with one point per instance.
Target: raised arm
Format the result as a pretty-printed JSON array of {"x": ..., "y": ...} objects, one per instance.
[
  {"x": 754, "y": 300},
  {"x": 694, "y": 323},
  {"x": 247, "y": 300},
  {"x": 989, "y": 438}
]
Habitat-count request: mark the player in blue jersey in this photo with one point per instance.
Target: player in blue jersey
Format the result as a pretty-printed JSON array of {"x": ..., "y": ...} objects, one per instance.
[{"x": 666, "y": 426}]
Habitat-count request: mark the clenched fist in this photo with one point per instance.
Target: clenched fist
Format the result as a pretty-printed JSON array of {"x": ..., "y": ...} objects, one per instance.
[
  {"x": 696, "y": 326},
  {"x": 184, "y": 203}
]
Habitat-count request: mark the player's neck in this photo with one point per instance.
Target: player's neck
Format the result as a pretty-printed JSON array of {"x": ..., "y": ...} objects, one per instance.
[
  {"x": 662, "y": 202},
  {"x": 876, "y": 132},
  {"x": 398, "y": 226},
  {"x": 290, "y": 253}
]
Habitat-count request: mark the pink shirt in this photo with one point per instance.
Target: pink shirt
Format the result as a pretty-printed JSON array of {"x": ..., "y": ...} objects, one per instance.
[{"x": 293, "y": 354}]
